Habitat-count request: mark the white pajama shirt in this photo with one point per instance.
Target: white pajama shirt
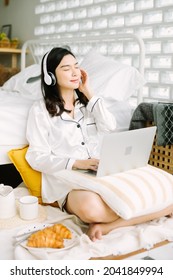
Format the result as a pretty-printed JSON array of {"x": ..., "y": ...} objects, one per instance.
[{"x": 56, "y": 142}]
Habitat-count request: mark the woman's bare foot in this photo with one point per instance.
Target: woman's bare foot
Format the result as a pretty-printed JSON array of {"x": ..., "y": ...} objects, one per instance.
[{"x": 95, "y": 231}]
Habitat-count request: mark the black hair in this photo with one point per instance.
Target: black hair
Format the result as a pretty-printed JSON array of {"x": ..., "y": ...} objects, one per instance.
[{"x": 51, "y": 93}]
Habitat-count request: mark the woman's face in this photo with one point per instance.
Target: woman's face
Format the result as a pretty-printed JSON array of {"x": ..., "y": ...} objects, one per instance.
[{"x": 68, "y": 73}]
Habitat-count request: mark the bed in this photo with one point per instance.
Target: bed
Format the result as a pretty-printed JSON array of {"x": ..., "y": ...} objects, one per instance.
[{"x": 18, "y": 94}]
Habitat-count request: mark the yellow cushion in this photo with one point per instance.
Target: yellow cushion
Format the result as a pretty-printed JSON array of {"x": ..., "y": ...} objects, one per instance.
[{"x": 31, "y": 177}]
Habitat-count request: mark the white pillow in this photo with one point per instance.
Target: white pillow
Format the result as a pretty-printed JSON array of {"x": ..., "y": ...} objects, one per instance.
[
  {"x": 27, "y": 82},
  {"x": 111, "y": 79},
  {"x": 122, "y": 112},
  {"x": 130, "y": 194},
  {"x": 140, "y": 191}
]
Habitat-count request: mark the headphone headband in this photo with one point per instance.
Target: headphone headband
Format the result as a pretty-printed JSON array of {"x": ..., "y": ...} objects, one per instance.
[{"x": 49, "y": 78}]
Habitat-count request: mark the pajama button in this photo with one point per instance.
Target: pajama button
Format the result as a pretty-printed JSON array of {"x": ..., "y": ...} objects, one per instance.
[
  {"x": 82, "y": 143},
  {"x": 78, "y": 125}
]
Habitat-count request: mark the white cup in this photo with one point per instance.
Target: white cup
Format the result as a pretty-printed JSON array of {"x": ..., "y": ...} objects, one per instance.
[{"x": 28, "y": 207}]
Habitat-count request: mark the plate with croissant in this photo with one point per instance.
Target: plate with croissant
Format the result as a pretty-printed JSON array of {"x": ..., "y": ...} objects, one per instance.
[{"x": 49, "y": 237}]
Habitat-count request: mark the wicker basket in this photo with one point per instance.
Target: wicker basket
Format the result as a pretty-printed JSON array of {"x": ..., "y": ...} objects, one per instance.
[
  {"x": 161, "y": 156},
  {"x": 14, "y": 45},
  {"x": 4, "y": 44}
]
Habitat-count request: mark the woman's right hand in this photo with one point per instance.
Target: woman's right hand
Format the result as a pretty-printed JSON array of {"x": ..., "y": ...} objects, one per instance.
[
  {"x": 84, "y": 86},
  {"x": 91, "y": 164}
]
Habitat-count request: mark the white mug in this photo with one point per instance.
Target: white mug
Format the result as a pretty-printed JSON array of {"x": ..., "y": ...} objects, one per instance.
[
  {"x": 7, "y": 202},
  {"x": 28, "y": 207}
]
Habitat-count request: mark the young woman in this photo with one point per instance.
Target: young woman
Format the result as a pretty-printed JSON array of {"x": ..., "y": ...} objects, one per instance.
[{"x": 62, "y": 132}]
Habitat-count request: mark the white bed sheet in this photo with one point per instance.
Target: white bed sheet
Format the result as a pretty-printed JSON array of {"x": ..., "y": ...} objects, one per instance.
[
  {"x": 118, "y": 242},
  {"x": 13, "y": 116}
]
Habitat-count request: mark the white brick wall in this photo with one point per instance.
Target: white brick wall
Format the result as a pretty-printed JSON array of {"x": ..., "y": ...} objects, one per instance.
[{"x": 151, "y": 19}]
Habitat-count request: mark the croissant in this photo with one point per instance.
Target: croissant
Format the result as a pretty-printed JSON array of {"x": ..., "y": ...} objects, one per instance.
[
  {"x": 42, "y": 239},
  {"x": 50, "y": 237},
  {"x": 62, "y": 231}
]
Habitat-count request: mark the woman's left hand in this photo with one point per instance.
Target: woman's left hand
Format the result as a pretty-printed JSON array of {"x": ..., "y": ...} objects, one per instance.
[{"x": 84, "y": 86}]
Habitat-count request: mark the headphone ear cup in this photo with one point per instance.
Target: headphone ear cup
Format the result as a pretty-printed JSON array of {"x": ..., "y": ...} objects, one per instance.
[
  {"x": 52, "y": 78},
  {"x": 49, "y": 78}
]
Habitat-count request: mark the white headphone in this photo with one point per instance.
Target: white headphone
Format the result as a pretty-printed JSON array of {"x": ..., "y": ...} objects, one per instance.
[{"x": 49, "y": 78}]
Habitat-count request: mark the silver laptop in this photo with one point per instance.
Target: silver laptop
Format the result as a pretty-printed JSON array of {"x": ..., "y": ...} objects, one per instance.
[{"x": 122, "y": 151}]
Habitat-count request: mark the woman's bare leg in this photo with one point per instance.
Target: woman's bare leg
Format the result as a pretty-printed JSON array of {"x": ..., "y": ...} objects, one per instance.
[
  {"x": 106, "y": 228},
  {"x": 90, "y": 208}
]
